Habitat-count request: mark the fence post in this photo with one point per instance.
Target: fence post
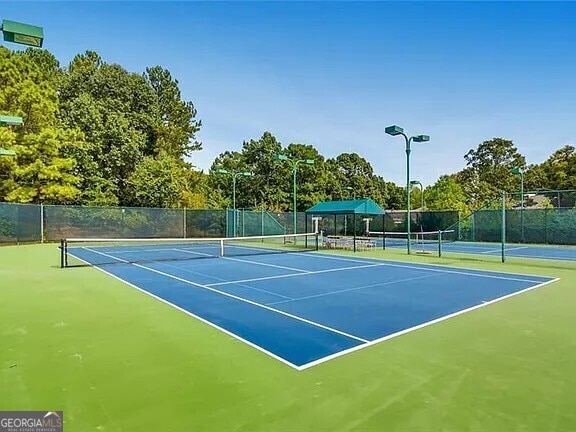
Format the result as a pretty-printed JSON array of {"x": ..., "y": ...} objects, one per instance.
[
  {"x": 184, "y": 224},
  {"x": 262, "y": 221},
  {"x": 41, "y": 222},
  {"x": 503, "y": 226}
]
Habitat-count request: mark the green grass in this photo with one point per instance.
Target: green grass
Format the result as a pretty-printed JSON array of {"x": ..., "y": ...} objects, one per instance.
[{"x": 115, "y": 359}]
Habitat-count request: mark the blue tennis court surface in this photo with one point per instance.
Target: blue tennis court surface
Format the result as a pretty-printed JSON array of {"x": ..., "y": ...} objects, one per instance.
[
  {"x": 564, "y": 253},
  {"x": 305, "y": 308}
]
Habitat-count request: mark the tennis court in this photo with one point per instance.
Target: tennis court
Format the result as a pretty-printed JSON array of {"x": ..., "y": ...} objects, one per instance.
[
  {"x": 429, "y": 244},
  {"x": 302, "y": 308}
]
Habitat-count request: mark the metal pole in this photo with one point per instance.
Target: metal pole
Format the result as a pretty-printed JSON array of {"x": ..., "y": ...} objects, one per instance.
[
  {"x": 354, "y": 229},
  {"x": 439, "y": 243},
  {"x": 294, "y": 181},
  {"x": 421, "y": 198},
  {"x": 503, "y": 226},
  {"x": 408, "y": 193},
  {"x": 62, "y": 253},
  {"x": 234, "y": 203},
  {"x": 522, "y": 205},
  {"x": 184, "y": 223},
  {"x": 335, "y": 232},
  {"x": 306, "y": 230},
  {"x": 41, "y": 223},
  {"x": 383, "y": 231}
]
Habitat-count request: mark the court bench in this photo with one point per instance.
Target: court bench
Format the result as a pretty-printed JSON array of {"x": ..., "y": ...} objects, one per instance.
[{"x": 346, "y": 242}]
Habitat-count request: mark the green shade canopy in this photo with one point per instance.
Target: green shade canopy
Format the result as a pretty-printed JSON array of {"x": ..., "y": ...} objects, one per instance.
[
  {"x": 360, "y": 206},
  {"x": 24, "y": 34},
  {"x": 10, "y": 121}
]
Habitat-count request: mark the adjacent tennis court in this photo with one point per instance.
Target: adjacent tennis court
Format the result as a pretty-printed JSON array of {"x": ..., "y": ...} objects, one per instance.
[
  {"x": 447, "y": 242},
  {"x": 301, "y": 308}
]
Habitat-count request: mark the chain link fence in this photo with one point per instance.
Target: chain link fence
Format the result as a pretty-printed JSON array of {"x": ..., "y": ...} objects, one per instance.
[
  {"x": 525, "y": 224},
  {"x": 20, "y": 223}
]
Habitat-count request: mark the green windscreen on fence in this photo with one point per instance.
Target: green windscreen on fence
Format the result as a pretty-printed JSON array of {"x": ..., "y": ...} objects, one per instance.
[
  {"x": 395, "y": 220},
  {"x": 526, "y": 222},
  {"x": 112, "y": 222},
  {"x": 205, "y": 223},
  {"x": 554, "y": 226},
  {"x": 20, "y": 223},
  {"x": 246, "y": 222}
]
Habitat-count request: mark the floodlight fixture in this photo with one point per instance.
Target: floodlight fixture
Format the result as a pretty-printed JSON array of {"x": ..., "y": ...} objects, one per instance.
[
  {"x": 24, "y": 34},
  {"x": 421, "y": 138},
  {"x": 11, "y": 120},
  {"x": 394, "y": 130}
]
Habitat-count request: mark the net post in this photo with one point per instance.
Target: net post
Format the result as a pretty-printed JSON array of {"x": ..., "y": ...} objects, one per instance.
[
  {"x": 316, "y": 236},
  {"x": 439, "y": 243},
  {"x": 503, "y": 233},
  {"x": 221, "y": 247},
  {"x": 61, "y": 253}
]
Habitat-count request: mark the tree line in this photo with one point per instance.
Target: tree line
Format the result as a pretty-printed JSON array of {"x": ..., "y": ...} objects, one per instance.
[{"x": 96, "y": 134}]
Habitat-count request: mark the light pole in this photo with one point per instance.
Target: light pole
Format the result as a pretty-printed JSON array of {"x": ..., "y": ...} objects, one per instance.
[
  {"x": 350, "y": 188},
  {"x": 397, "y": 130},
  {"x": 295, "y": 163},
  {"x": 520, "y": 172},
  {"x": 414, "y": 183},
  {"x": 23, "y": 34},
  {"x": 234, "y": 176}
]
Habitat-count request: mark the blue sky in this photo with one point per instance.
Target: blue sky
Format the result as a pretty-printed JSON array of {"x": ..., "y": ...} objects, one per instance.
[{"x": 334, "y": 74}]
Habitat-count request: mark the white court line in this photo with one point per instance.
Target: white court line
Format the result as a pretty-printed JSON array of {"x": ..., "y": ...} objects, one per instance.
[
  {"x": 484, "y": 251},
  {"x": 294, "y": 275},
  {"x": 419, "y": 326},
  {"x": 313, "y": 323},
  {"x": 267, "y": 265},
  {"x": 183, "y": 269},
  {"x": 549, "y": 258},
  {"x": 506, "y": 250},
  {"x": 247, "y": 261},
  {"x": 205, "y": 321},
  {"x": 440, "y": 269},
  {"x": 193, "y": 252},
  {"x": 335, "y": 355},
  {"x": 163, "y": 249},
  {"x": 354, "y": 289}
]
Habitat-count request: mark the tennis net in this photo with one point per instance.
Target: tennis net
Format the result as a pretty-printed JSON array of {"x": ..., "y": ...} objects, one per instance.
[
  {"x": 417, "y": 238},
  {"x": 93, "y": 251}
]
